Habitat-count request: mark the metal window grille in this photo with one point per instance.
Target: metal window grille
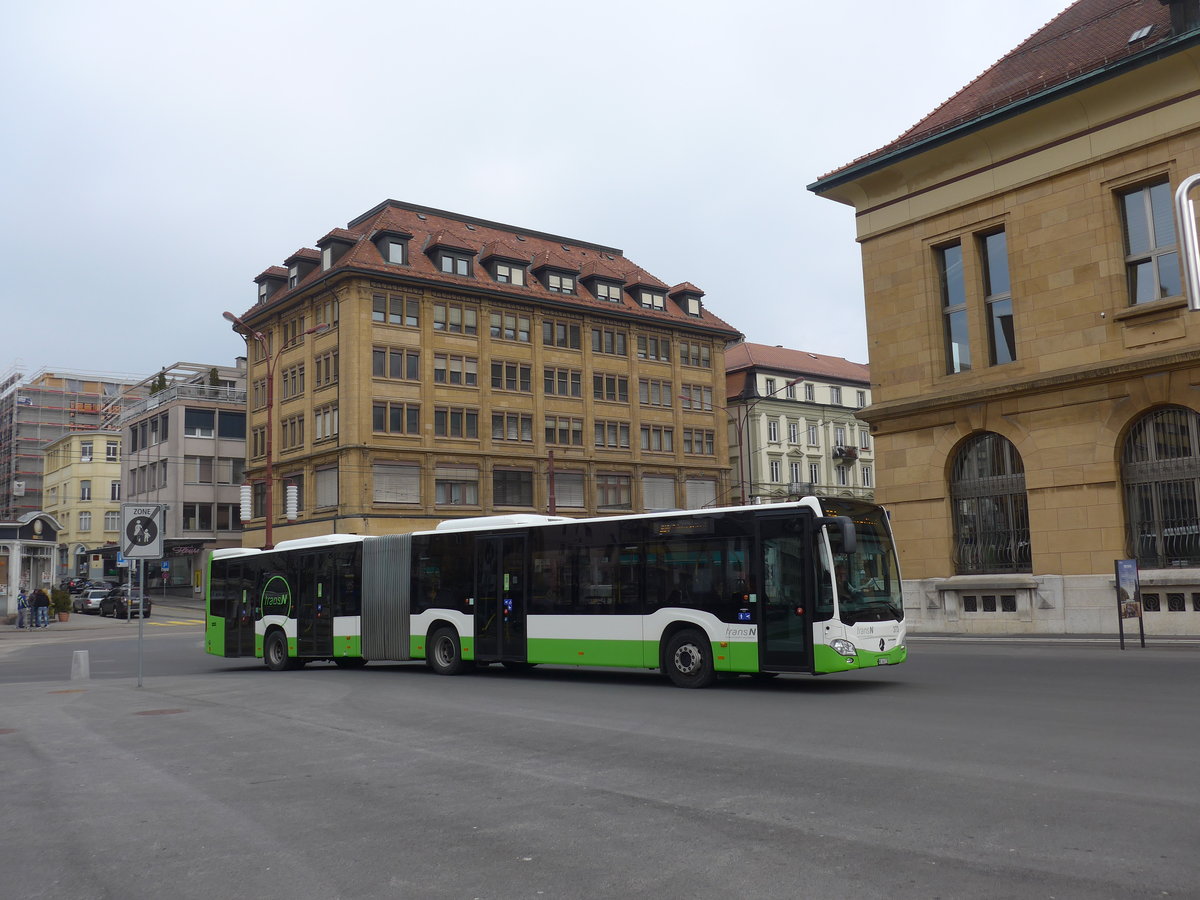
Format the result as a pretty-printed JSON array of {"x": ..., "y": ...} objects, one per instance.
[
  {"x": 1160, "y": 470},
  {"x": 991, "y": 513}
]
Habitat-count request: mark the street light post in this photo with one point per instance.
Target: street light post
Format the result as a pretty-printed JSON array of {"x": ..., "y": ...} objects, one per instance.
[{"x": 247, "y": 333}]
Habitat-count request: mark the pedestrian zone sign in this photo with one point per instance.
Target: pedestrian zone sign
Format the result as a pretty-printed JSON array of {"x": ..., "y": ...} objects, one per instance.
[{"x": 141, "y": 530}]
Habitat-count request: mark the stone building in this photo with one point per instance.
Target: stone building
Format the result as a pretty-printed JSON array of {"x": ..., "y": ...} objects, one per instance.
[
  {"x": 794, "y": 424},
  {"x": 420, "y": 365},
  {"x": 1036, "y": 369}
]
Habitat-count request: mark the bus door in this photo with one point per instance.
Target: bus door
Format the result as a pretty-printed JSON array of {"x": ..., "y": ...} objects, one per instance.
[
  {"x": 500, "y": 597},
  {"x": 233, "y": 592},
  {"x": 784, "y": 600},
  {"x": 312, "y": 583}
]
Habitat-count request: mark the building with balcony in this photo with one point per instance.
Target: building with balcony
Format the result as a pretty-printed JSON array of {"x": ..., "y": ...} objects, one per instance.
[
  {"x": 1036, "y": 409},
  {"x": 82, "y": 482},
  {"x": 793, "y": 424},
  {"x": 185, "y": 448},
  {"x": 420, "y": 365}
]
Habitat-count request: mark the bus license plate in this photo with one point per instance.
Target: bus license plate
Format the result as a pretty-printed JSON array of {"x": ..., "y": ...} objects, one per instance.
[{"x": 882, "y": 661}]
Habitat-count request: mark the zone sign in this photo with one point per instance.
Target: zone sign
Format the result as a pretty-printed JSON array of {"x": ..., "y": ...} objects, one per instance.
[{"x": 141, "y": 530}]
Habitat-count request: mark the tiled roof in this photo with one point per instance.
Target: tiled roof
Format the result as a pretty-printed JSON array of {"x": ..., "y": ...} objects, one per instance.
[
  {"x": 503, "y": 250},
  {"x": 339, "y": 234},
  {"x": 1088, "y": 36},
  {"x": 745, "y": 356},
  {"x": 555, "y": 259},
  {"x": 430, "y": 227},
  {"x": 686, "y": 288},
  {"x": 304, "y": 253}
]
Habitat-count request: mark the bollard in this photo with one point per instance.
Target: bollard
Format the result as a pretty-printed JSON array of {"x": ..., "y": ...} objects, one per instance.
[{"x": 80, "y": 669}]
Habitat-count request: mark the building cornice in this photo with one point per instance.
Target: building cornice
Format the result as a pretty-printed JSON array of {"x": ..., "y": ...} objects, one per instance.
[{"x": 1076, "y": 377}]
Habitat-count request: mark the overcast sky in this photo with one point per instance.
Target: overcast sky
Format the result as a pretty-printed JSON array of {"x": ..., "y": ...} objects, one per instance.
[{"x": 158, "y": 156}]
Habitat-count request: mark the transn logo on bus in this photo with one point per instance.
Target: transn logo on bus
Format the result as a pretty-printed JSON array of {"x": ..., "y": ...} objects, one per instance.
[{"x": 276, "y": 597}]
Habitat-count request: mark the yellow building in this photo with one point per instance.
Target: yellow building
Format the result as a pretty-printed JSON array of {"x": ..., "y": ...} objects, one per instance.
[
  {"x": 82, "y": 491},
  {"x": 1036, "y": 370},
  {"x": 420, "y": 365}
]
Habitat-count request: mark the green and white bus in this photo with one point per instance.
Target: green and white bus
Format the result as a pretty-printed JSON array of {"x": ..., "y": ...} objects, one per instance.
[{"x": 811, "y": 586}]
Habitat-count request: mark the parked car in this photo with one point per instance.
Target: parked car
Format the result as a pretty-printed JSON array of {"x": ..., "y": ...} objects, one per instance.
[
  {"x": 74, "y": 585},
  {"x": 89, "y": 600},
  {"x": 120, "y": 602}
]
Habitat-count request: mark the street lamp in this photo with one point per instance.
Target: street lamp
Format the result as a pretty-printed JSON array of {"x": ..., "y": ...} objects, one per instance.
[
  {"x": 249, "y": 333},
  {"x": 745, "y": 467}
]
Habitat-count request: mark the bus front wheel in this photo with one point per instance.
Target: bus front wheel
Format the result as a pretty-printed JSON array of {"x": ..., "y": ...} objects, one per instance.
[
  {"x": 275, "y": 652},
  {"x": 689, "y": 661},
  {"x": 444, "y": 653}
]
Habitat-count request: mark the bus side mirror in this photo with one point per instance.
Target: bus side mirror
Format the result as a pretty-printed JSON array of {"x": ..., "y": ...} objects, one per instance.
[{"x": 845, "y": 526}]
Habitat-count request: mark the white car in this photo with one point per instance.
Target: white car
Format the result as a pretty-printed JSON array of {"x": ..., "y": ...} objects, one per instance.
[{"x": 89, "y": 600}]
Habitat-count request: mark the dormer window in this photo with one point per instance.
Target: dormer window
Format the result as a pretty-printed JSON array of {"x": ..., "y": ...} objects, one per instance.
[
  {"x": 559, "y": 283},
  {"x": 609, "y": 291},
  {"x": 652, "y": 299},
  {"x": 392, "y": 246},
  {"x": 506, "y": 273},
  {"x": 333, "y": 247},
  {"x": 269, "y": 282},
  {"x": 454, "y": 263},
  {"x": 691, "y": 305},
  {"x": 293, "y": 276},
  {"x": 395, "y": 251}
]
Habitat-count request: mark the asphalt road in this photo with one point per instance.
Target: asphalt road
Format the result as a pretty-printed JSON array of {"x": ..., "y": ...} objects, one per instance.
[{"x": 975, "y": 770}]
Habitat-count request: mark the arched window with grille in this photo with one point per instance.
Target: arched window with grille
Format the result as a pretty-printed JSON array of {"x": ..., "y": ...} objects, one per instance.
[
  {"x": 991, "y": 514},
  {"x": 1160, "y": 471}
]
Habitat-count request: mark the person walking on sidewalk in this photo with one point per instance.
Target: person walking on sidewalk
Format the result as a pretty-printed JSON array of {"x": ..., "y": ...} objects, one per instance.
[
  {"x": 41, "y": 608},
  {"x": 23, "y": 616}
]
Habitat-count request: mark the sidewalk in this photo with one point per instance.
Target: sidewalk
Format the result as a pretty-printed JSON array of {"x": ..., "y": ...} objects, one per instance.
[
  {"x": 161, "y": 606},
  {"x": 1131, "y": 639}
]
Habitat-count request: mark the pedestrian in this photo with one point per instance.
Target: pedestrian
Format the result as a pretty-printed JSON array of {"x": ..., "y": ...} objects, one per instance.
[
  {"x": 41, "y": 608},
  {"x": 22, "y": 609}
]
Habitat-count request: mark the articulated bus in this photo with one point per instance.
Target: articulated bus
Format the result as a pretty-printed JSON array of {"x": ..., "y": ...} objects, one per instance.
[{"x": 810, "y": 586}]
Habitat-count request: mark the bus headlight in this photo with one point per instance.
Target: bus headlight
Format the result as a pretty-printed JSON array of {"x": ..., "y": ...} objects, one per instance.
[{"x": 842, "y": 647}]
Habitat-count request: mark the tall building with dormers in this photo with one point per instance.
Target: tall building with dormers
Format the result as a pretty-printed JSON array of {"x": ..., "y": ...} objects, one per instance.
[
  {"x": 794, "y": 426},
  {"x": 419, "y": 365},
  {"x": 1036, "y": 409}
]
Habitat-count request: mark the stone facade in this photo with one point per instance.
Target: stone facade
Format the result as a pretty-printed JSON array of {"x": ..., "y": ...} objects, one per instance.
[
  {"x": 1049, "y": 173},
  {"x": 456, "y": 367}
]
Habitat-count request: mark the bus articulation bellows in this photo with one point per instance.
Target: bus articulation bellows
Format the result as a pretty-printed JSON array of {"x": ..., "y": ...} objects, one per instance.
[{"x": 811, "y": 586}]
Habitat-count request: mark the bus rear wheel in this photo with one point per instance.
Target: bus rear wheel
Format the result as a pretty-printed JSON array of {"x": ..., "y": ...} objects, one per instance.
[
  {"x": 688, "y": 660},
  {"x": 444, "y": 652},
  {"x": 275, "y": 652}
]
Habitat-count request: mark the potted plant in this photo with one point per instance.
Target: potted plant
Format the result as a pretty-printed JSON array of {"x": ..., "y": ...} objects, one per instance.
[{"x": 60, "y": 603}]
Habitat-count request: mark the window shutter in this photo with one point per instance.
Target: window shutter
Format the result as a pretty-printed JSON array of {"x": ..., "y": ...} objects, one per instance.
[
  {"x": 327, "y": 486},
  {"x": 397, "y": 484},
  {"x": 568, "y": 490},
  {"x": 658, "y": 492},
  {"x": 701, "y": 492}
]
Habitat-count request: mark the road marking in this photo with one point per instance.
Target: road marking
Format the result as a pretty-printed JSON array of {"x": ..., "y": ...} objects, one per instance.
[{"x": 171, "y": 622}]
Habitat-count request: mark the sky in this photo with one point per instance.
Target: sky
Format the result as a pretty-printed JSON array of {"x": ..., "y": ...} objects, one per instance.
[{"x": 158, "y": 156}]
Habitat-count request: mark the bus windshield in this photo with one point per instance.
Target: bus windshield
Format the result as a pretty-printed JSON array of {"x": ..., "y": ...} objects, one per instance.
[{"x": 866, "y": 583}]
